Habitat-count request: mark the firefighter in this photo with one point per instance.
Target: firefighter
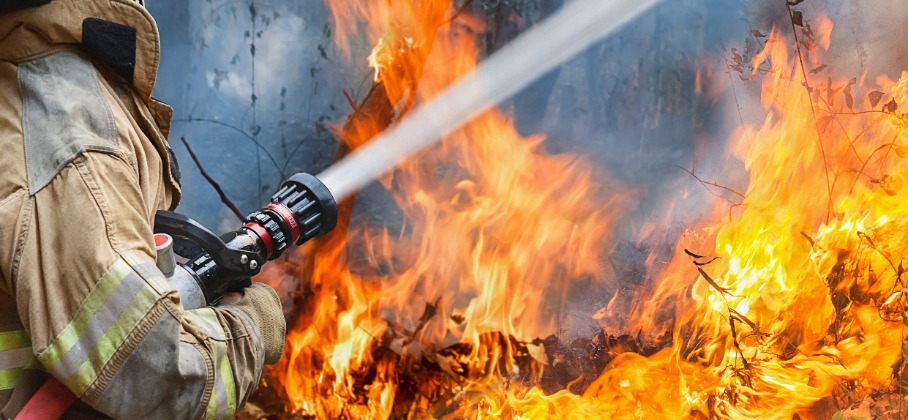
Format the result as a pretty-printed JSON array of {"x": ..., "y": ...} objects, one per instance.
[{"x": 84, "y": 165}]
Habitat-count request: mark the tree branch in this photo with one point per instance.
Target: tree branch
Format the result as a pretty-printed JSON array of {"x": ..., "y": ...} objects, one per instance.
[{"x": 214, "y": 184}]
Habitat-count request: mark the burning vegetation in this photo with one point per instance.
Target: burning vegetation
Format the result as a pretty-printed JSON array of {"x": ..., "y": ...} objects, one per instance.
[{"x": 787, "y": 301}]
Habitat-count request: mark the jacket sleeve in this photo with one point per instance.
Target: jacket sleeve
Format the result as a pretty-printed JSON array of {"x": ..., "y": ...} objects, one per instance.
[{"x": 103, "y": 319}]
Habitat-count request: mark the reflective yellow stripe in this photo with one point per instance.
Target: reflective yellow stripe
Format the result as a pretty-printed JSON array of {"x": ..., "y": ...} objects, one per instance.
[
  {"x": 223, "y": 397},
  {"x": 8, "y": 378},
  {"x": 14, "y": 340},
  {"x": 15, "y": 354},
  {"x": 33, "y": 364},
  {"x": 148, "y": 270},
  {"x": 102, "y": 323},
  {"x": 227, "y": 380}
]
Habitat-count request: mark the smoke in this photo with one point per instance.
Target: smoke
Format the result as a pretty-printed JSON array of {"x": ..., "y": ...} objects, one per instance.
[
  {"x": 635, "y": 104},
  {"x": 646, "y": 106},
  {"x": 691, "y": 128},
  {"x": 866, "y": 37},
  {"x": 255, "y": 87},
  {"x": 650, "y": 103}
]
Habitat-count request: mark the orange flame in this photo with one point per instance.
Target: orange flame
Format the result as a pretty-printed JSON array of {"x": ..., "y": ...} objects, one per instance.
[
  {"x": 796, "y": 305},
  {"x": 494, "y": 230},
  {"x": 803, "y": 311}
]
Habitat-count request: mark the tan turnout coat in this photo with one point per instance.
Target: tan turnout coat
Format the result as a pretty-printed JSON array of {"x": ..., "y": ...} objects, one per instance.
[{"x": 84, "y": 165}]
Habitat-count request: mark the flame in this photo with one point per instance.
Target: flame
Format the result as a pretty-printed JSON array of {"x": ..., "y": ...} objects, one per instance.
[
  {"x": 795, "y": 305},
  {"x": 493, "y": 231},
  {"x": 803, "y": 310}
]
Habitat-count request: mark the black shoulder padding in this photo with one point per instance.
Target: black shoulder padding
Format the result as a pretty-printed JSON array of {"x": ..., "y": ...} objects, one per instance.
[
  {"x": 7, "y": 6},
  {"x": 111, "y": 43}
]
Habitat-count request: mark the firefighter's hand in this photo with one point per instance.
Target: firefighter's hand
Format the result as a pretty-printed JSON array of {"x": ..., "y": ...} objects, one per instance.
[{"x": 261, "y": 303}]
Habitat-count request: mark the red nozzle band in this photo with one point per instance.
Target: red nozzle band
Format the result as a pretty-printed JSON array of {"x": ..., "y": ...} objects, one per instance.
[
  {"x": 263, "y": 235},
  {"x": 289, "y": 219}
]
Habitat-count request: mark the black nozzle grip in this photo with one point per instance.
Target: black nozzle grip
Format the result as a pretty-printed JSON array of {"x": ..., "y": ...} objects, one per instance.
[{"x": 319, "y": 217}]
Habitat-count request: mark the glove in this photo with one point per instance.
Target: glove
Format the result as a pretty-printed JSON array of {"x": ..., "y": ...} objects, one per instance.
[{"x": 263, "y": 306}]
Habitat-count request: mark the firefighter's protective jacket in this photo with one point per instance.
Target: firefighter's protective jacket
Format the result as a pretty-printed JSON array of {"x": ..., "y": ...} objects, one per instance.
[{"x": 84, "y": 165}]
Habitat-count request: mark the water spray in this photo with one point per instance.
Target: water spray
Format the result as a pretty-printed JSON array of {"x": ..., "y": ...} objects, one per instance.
[
  {"x": 204, "y": 266},
  {"x": 542, "y": 48}
]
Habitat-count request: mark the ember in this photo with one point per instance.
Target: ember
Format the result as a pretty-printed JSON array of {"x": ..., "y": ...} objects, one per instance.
[{"x": 787, "y": 303}]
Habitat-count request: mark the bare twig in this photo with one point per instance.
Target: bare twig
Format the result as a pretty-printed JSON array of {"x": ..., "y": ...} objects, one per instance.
[
  {"x": 350, "y": 101},
  {"x": 873, "y": 246},
  {"x": 734, "y": 92},
  {"x": 459, "y": 12},
  {"x": 813, "y": 110},
  {"x": 427, "y": 315},
  {"x": 214, "y": 184},
  {"x": 254, "y": 141},
  {"x": 712, "y": 184}
]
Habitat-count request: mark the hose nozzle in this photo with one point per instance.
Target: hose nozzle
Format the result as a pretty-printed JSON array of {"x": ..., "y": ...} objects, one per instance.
[{"x": 302, "y": 209}]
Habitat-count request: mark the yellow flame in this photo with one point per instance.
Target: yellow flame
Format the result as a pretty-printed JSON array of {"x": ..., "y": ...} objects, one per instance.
[
  {"x": 489, "y": 245},
  {"x": 805, "y": 300}
]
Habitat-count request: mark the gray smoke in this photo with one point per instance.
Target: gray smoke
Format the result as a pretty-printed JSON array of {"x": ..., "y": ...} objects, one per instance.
[{"x": 631, "y": 104}]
